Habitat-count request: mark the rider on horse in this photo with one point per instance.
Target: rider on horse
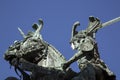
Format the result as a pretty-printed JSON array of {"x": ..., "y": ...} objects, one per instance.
[{"x": 87, "y": 55}]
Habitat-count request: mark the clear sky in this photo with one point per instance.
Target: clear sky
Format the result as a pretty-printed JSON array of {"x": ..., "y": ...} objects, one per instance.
[{"x": 58, "y": 16}]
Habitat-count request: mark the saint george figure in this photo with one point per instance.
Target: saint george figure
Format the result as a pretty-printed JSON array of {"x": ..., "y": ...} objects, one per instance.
[{"x": 89, "y": 62}]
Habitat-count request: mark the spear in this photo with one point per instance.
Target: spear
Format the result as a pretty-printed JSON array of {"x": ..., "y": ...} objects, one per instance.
[{"x": 111, "y": 22}]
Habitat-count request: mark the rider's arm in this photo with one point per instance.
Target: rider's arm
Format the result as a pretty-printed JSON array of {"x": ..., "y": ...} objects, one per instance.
[{"x": 75, "y": 57}]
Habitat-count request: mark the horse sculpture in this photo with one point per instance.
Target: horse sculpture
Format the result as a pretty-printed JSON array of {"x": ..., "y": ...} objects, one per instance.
[
  {"x": 35, "y": 55},
  {"x": 45, "y": 62}
]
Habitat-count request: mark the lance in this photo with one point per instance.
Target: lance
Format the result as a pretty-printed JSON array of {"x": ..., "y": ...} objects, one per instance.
[{"x": 110, "y": 22}]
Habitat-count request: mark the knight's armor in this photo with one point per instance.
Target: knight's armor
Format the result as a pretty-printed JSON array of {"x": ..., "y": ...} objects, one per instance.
[{"x": 84, "y": 42}]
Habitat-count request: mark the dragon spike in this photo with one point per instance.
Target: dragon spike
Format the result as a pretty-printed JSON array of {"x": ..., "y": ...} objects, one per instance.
[
  {"x": 38, "y": 28},
  {"x": 74, "y": 32},
  {"x": 22, "y": 33}
]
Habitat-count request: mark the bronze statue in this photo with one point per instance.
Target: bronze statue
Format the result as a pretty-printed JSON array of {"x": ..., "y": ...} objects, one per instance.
[
  {"x": 44, "y": 62},
  {"x": 35, "y": 55},
  {"x": 88, "y": 57}
]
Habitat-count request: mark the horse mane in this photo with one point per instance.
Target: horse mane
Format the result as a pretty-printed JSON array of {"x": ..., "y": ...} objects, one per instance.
[{"x": 54, "y": 58}]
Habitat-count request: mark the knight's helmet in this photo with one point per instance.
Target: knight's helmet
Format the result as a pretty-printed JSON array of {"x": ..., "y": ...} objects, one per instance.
[{"x": 92, "y": 28}]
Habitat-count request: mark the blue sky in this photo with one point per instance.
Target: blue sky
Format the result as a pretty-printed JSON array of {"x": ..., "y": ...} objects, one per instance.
[{"x": 58, "y": 17}]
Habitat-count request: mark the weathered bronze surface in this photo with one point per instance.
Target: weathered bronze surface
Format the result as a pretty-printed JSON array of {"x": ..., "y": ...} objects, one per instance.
[{"x": 42, "y": 61}]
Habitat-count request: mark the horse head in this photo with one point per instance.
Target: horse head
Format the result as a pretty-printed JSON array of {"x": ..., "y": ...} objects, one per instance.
[{"x": 35, "y": 50}]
